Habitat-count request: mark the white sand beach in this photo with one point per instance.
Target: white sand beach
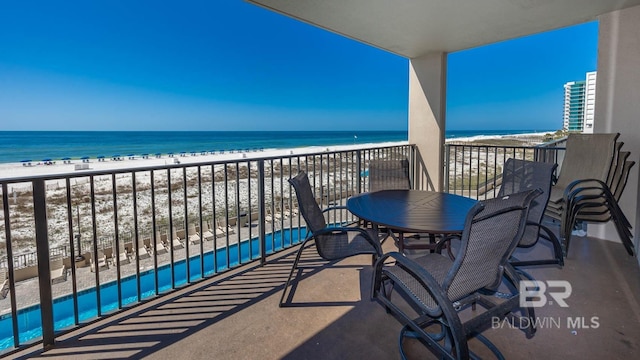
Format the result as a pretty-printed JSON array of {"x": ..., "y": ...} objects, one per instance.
[{"x": 20, "y": 170}]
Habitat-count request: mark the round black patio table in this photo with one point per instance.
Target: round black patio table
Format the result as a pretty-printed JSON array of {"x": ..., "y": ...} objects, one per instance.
[{"x": 413, "y": 211}]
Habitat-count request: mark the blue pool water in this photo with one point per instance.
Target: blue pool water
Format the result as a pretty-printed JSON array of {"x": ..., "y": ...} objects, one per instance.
[{"x": 29, "y": 321}]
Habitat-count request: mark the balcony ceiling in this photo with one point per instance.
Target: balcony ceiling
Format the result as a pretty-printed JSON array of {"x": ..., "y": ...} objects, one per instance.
[{"x": 412, "y": 28}]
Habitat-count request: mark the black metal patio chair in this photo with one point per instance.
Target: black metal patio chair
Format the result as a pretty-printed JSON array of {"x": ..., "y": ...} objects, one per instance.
[
  {"x": 332, "y": 242},
  {"x": 389, "y": 174},
  {"x": 437, "y": 288},
  {"x": 522, "y": 175}
]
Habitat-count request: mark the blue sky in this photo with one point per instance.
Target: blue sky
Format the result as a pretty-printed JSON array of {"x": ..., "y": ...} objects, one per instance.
[{"x": 229, "y": 65}]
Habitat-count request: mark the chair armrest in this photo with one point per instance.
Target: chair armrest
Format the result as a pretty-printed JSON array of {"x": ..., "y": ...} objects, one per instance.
[
  {"x": 592, "y": 184},
  {"x": 422, "y": 276},
  {"x": 447, "y": 239},
  {"x": 340, "y": 207}
]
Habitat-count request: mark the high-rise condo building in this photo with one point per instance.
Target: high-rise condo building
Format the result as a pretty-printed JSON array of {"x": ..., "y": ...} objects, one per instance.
[{"x": 579, "y": 104}]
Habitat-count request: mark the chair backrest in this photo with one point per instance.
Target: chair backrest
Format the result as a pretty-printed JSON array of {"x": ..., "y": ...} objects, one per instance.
[
  {"x": 522, "y": 175},
  {"x": 492, "y": 231},
  {"x": 309, "y": 208},
  {"x": 588, "y": 156},
  {"x": 617, "y": 160},
  {"x": 389, "y": 174},
  {"x": 621, "y": 178},
  {"x": 616, "y": 175}
]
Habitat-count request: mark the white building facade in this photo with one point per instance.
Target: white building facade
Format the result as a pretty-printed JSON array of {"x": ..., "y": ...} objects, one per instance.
[{"x": 579, "y": 104}]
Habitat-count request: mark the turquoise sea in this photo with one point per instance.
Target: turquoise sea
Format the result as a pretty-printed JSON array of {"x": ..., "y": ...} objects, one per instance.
[{"x": 18, "y": 146}]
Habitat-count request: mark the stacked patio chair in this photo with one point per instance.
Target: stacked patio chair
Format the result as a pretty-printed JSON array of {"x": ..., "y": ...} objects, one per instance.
[
  {"x": 522, "y": 175},
  {"x": 437, "y": 288},
  {"x": 332, "y": 242},
  {"x": 596, "y": 201},
  {"x": 591, "y": 180}
]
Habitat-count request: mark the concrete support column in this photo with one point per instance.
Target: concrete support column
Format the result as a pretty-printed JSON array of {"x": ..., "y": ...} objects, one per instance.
[
  {"x": 618, "y": 102},
  {"x": 427, "y": 107}
]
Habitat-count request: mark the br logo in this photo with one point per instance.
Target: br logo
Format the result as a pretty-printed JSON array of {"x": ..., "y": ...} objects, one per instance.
[{"x": 534, "y": 293}]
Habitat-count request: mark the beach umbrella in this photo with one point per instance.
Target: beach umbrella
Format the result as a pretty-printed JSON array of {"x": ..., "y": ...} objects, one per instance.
[
  {"x": 26, "y": 160},
  {"x": 46, "y": 159},
  {"x": 66, "y": 158},
  {"x": 85, "y": 158}
]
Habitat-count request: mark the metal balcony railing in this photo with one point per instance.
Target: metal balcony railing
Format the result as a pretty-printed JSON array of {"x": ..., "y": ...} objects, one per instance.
[
  {"x": 475, "y": 170},
  {"x": 84, "y": 245}
]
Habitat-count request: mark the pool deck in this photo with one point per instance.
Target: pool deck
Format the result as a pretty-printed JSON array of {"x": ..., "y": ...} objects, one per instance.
[
  {"x": 27, "y": 291},
  {"x": 236, "y": 315}
]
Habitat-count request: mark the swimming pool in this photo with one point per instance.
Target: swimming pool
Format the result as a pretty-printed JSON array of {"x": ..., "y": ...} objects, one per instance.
[{"x": 29, "y": 319}]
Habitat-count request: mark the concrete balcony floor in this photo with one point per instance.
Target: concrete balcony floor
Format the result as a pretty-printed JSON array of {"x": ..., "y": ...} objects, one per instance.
[{"x": 237, "y": 316}]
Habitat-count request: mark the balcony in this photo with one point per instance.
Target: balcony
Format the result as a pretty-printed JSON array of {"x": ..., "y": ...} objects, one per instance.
[{"x": 228, "y": 305}]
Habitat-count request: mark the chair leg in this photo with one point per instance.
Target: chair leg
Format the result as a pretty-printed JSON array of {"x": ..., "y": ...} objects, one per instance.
[
  {"x": 293, "y": 268},
  {"x": 557, "y": 247}
]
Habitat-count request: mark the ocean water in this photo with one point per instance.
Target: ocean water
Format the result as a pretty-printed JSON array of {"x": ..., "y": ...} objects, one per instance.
[{"x": 16, "y": 146}]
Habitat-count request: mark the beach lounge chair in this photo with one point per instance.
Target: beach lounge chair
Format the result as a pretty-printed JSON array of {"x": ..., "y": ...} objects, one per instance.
[
  {"x": 332, "y": 243},
  {"x": 58, "y": 271},
  {"x": 161, "y": 243},
  {"x": 4, "y": 283},
  {"x": 123, "y": 257},
  {"x": 180, "y": 234},
  {"x": 101, "y": 260},
  {"x": 128, "y": 248},
  {"x": 269, "y": 217},
  {"x": 432, "y": 290},
  {"x": 177, "y": 244},
  {"x": 522, "y": 175},
  {"x": 211, "y": 234},
  {"x": 290, "y": 211},
  {"x": 177, "y": 239},
  {"x": 160, "y": 248},
  {"x": 194, "y": 235},
  {"x": 108, "y": 253},
  {"x": 143, "y": 252},
  {"x": 154, "y": 248},
  {"x": 224, "y": 230}
]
